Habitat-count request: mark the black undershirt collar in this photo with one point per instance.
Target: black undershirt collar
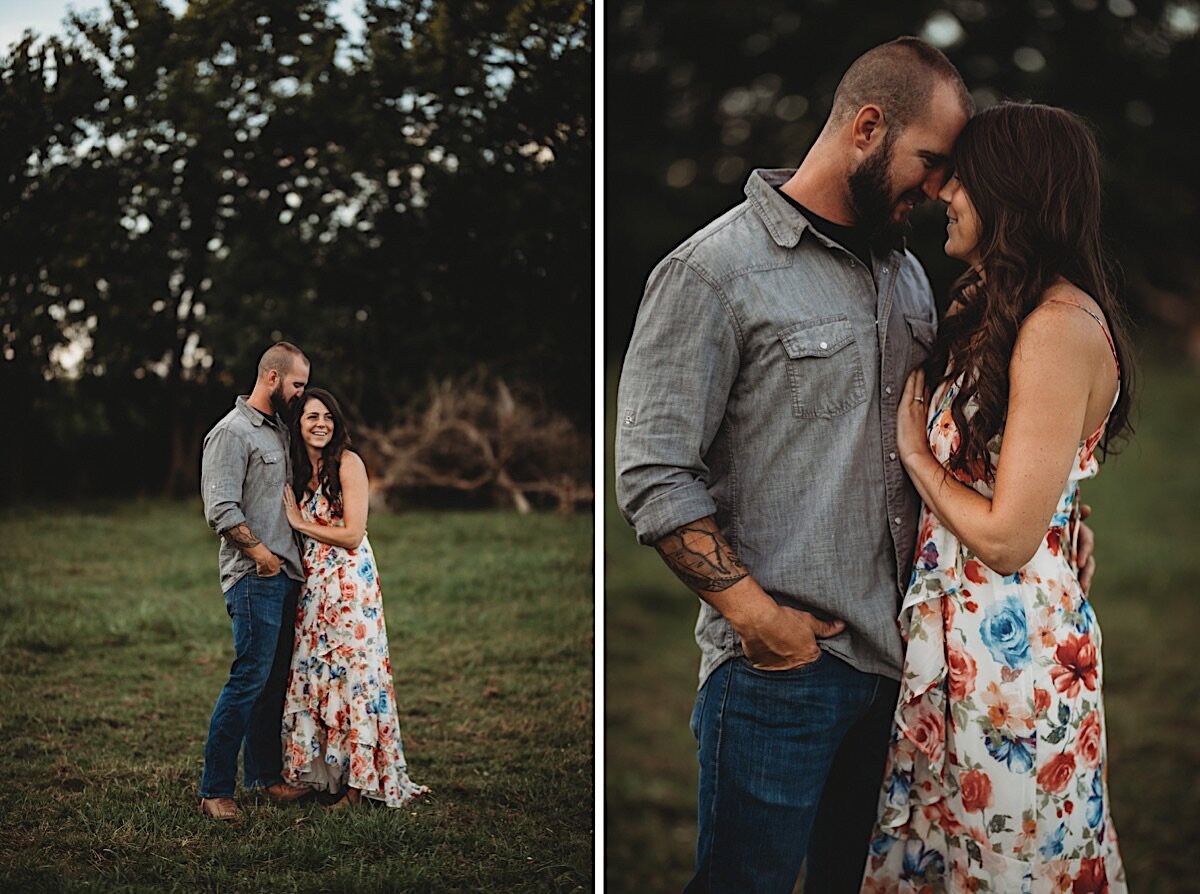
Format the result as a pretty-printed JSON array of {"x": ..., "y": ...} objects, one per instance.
[{"x": 849, "y": 238}]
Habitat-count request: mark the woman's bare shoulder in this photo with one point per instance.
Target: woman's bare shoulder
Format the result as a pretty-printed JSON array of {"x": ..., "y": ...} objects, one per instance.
[{"x": 352, "y": 462}]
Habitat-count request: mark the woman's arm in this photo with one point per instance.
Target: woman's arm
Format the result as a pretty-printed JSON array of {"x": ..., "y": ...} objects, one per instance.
[
  {"x": 1052, "y": 397},
  {"x": 353, "y": 476}
]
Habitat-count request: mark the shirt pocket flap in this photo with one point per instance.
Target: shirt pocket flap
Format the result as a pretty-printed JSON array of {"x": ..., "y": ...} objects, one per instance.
[
  {"x": 276, "y": 457},
  {"x": 922, "y": 330},
  {"x": 822, "y": 338}
]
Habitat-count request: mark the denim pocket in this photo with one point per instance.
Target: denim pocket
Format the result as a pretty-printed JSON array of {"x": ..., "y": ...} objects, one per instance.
[
  {"x": 791, "y": 673},
  {"x": 922, "y": 332},
  {"x": 273, "y": 466},
  {"x": 824, "y": 368}
]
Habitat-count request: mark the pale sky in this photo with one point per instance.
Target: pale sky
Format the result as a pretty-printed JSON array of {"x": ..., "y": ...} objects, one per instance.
[{"x": 46, "y": 16}]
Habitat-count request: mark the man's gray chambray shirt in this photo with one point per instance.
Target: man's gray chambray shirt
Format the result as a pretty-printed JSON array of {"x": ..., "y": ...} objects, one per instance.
[
  {"x": 242, "y": 473},
  {"x": 761, "y": 387}
]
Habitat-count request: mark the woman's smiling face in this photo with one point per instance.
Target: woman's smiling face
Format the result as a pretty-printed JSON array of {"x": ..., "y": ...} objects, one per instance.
[
  {"x": 316, "y": 424},
  {"x": 962, "y": 222}
]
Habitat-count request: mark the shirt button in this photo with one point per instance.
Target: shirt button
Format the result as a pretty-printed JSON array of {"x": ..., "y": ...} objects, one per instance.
[
  {"x": 824, "y": 345},
  {"x": 887, "y": 390},
  {"x": 892, "y": 455},
  {"x": 896, "y": 521},
  {"x": 883, "y": 270}
]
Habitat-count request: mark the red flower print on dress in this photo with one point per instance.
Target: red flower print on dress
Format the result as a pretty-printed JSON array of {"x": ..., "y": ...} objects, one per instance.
[
  {"x": 1092, "y": 878},
  {"x": 1076, "y": 664},
  {"x": 941, "y": 814},
  {"x": 1041, "y": 701},
  {"x": 961, "y": 670},
  {"x": 974, "y": 572},
  {"x": 1089, "y": 740},
  {"x": 948, "y": 611},
  {"x": 1057, "y": 772},
  {"x": 975, "y": 788},
  {"x": 928, "y": 733},
  {"x": 1054, "y": 541}
]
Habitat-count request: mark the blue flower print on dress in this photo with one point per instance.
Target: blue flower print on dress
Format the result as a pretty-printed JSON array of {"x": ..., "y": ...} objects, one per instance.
[
  {"x": 880, "y": 844},
  {"x": 367, "y": 572},
  {"x": 1015, "y": 752},
  {"x": 1004, "y": 632},
  {"x": 1053, "y": 845},
  {"x": 1095, "y": 801},
  {"x": 920, "y": 862},
  {"x": 928, "y": 559},
  {"x": 898, "y": 786}
]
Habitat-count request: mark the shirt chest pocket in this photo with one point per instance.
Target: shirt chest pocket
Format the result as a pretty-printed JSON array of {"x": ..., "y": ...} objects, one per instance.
[
  {"x": 272, "y": 467},
  {"x": 921, "y": 332},
  {"x": 824, "y": 368}
]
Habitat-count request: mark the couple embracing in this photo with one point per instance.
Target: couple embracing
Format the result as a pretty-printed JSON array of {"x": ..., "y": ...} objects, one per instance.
[
  {"x": 816, "y": 455},
  {"x": 309, "y": 700}
]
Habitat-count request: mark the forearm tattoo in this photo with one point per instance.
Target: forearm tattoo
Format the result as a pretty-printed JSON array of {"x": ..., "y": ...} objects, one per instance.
[
  {"x": 701, "y": 558},
  {"x": 241, "y": 537}
]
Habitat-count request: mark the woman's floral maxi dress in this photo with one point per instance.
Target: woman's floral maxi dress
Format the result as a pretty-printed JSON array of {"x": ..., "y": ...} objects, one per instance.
[
  {"x": 339, "y": 719},
  {"x": 996, "y": 774}
]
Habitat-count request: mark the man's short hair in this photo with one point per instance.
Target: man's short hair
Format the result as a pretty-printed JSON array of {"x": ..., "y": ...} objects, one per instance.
[
  {"x": 899, "y": 77},
  {"x": 281, "y": 357}
]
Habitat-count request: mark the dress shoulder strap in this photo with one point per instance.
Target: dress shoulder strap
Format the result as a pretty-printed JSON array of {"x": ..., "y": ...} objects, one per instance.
[{"x": 1103, "y": 328}]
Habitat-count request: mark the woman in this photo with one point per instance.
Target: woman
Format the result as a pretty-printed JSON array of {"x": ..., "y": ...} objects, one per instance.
[
  {"x": 996, "y": 771},
  {"x": 340, "y": 728}
]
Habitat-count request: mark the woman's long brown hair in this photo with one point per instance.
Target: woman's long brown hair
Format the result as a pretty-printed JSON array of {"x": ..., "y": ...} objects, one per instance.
[
  {"x": 1033, "y": 174},
  {"x": 328, "y": 478}
]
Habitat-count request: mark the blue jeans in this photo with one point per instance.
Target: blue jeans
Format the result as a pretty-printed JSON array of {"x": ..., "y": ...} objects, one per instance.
[
  {"x": 790, "y": 765},
  {"x": 250, "y": 707}
]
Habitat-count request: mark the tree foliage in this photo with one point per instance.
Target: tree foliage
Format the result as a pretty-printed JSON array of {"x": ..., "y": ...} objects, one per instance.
[{"x": 184, "y": 190}]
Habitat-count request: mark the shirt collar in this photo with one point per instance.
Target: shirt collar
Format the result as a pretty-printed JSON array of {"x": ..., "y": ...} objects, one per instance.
[
  {"x": 781, "y": 219},
  {"x": 257, "y": 418}
]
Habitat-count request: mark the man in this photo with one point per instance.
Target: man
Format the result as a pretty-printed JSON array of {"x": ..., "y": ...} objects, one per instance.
[
  {"x": 245, "y": 466},
  {"x": 756, "y": 450}
]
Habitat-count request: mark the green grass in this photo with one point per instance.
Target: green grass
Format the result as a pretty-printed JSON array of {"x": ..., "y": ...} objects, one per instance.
[
  {"x": 115, "y": 643},
  {"x": 1147, "y": 527}
]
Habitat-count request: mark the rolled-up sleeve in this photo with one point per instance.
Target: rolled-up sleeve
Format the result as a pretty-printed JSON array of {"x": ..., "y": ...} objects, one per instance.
[
  {"x": 675, "y": 382},
  {"x": 222, "y": 471}
]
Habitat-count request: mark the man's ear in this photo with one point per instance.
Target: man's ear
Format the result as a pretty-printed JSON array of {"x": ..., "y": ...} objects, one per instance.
[{"x": 868, "y": 127}]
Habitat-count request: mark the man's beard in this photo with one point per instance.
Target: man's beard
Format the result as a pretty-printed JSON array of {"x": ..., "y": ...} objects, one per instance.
[
  {"x": 872, "y": 201},
  {"x": 286, "y": 409}
]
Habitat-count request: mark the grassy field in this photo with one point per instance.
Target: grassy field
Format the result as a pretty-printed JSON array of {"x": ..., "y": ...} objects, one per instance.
[
  {"x": 115, "y": 643},
  {"x": 1147, "y": 522}
]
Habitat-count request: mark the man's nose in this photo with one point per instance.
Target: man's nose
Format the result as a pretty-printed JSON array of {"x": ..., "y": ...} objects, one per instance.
[{"x": 934, "y": 185}]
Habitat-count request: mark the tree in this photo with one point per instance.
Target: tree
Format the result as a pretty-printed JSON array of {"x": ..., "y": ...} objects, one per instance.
[{"x": 241, "y": 173}]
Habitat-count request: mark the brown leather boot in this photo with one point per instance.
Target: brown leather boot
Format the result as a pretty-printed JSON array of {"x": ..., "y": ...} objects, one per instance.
[
  {"x": 224, "y": 809},
  {"x": 282, "y": 793}
]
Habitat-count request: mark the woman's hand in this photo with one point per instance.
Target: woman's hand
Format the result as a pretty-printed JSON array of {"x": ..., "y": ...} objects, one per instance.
[
  {"x": 295, "y": 519},
  {"x": 912, "y": 434}
]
